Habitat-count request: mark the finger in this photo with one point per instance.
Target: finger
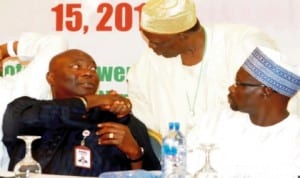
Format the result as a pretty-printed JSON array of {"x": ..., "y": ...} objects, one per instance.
[
  {"x": 107, "y": 124},
  {"x": 112, "y": 92},
  {"x": 105, "y": 131},
  {"x": 123, "y": 113},
  {"x": 107, "y": 138},
  {"x": 110, "y": 139},
  {"x": 128, "y": 104},
  {"x": 116, "y": 107},
  {"x": 109, "y": 127},
  {"x": 120, "y": 109}
]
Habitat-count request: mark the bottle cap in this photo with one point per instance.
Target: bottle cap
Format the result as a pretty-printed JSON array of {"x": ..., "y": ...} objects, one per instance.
[
  {"x": 171, "y": 125},
  {"x": 176, "y": 125}
]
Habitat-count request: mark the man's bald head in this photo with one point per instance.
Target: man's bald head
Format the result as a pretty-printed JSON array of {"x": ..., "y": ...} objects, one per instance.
[{"x": 72, "y": 73}]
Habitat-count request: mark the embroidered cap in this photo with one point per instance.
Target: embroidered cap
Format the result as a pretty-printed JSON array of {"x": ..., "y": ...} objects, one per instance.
[
  {"x": 273, "y": 70},
  {"x": 168, "y": 16}
]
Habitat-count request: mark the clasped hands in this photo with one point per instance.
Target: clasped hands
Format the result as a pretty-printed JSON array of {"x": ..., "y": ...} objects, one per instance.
[
  {"x": 112, "y": 101},
  {"x": 121, "y": 106}
]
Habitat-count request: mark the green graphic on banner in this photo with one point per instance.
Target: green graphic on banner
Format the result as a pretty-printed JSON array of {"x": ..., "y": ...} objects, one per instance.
[
  {"x": 112, "y": 73},
  {"x": 12, "y": 69},
  {"x": 106, "y": 74},
  {"x": 101, "y": 92}
]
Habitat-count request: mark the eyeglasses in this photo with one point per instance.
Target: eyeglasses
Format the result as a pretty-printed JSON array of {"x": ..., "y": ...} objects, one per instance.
[
  {"x": 248, "y": 84},
  {"x": 251, "y": 85}
]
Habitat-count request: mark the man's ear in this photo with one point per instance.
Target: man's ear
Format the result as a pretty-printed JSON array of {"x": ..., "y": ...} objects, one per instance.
[
  {"x": 267, "y": 91},
  {"x": 50, "y": 78}
]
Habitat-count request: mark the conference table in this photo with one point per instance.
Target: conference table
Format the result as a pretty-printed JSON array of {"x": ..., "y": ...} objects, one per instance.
[
  {"x": 6, "y": 174},
  {"x": 129, "y": 173}
]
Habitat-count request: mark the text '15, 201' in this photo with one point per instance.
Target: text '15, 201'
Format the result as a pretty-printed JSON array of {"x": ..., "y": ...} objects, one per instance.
[{"x": 120, "y": 17}]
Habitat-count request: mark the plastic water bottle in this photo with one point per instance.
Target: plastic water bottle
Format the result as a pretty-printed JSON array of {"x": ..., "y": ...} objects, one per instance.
[
  {"x": 174, "y": 153},
  {"x": 168, "y": 152}
]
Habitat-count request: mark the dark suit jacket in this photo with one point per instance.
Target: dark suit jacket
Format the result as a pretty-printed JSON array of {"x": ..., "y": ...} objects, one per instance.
[{"x": 60, "y": 123}]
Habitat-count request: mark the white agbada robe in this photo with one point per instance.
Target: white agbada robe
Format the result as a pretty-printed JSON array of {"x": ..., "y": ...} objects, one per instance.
[
  {"x": 245, "y": 149},
  {"x": 158, "y": 87},
  {"x": 32, "y": 80}
]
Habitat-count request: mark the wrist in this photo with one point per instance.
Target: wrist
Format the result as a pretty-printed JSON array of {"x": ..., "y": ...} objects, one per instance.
[
  {"x": 139, "y": 157},
  {"x": 3, "y": 52},
  {"x": 8, "y": 49}
]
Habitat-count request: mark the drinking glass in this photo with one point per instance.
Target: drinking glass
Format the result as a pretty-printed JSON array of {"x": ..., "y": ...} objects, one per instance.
[
  {"x": 207, "y": 171},
  {"x": 27, "y": 166},
  {"x": 176, "y": 174}
]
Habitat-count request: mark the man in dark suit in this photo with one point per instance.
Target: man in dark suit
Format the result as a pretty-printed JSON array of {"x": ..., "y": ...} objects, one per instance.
[{"x": 78, "y": 122}]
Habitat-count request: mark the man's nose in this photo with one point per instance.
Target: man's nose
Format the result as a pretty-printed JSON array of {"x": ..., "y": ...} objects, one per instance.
[
  {"x": 152, "y": 45},
  {"x": 86, "y": 72},
  {"x": 231, "y": 88}
]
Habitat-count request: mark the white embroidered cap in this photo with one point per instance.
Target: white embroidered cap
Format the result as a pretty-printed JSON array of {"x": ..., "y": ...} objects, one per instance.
[
  {"x": 274, "y": 70},
  {"x": 168, "y": 16}
]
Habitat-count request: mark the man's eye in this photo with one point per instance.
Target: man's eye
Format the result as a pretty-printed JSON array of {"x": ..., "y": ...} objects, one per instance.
[
  {"x": 75, "y": 66},
  {"x": 93, "y": 68}
]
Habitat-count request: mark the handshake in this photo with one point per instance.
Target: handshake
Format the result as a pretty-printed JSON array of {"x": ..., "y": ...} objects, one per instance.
[{"x": 112, "y": 101}]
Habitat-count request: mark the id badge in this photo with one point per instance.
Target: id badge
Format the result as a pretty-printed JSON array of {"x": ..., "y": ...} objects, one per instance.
[
  {"x": 82, "y": 157},
  {"x": 82, "y": 154}
]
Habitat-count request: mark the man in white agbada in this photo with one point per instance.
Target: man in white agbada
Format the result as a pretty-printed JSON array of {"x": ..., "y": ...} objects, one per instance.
[
  {"x": 39, "y": 49},
  {"x": 186, "y": 70},
  {"x": 265, "y": 142}
]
